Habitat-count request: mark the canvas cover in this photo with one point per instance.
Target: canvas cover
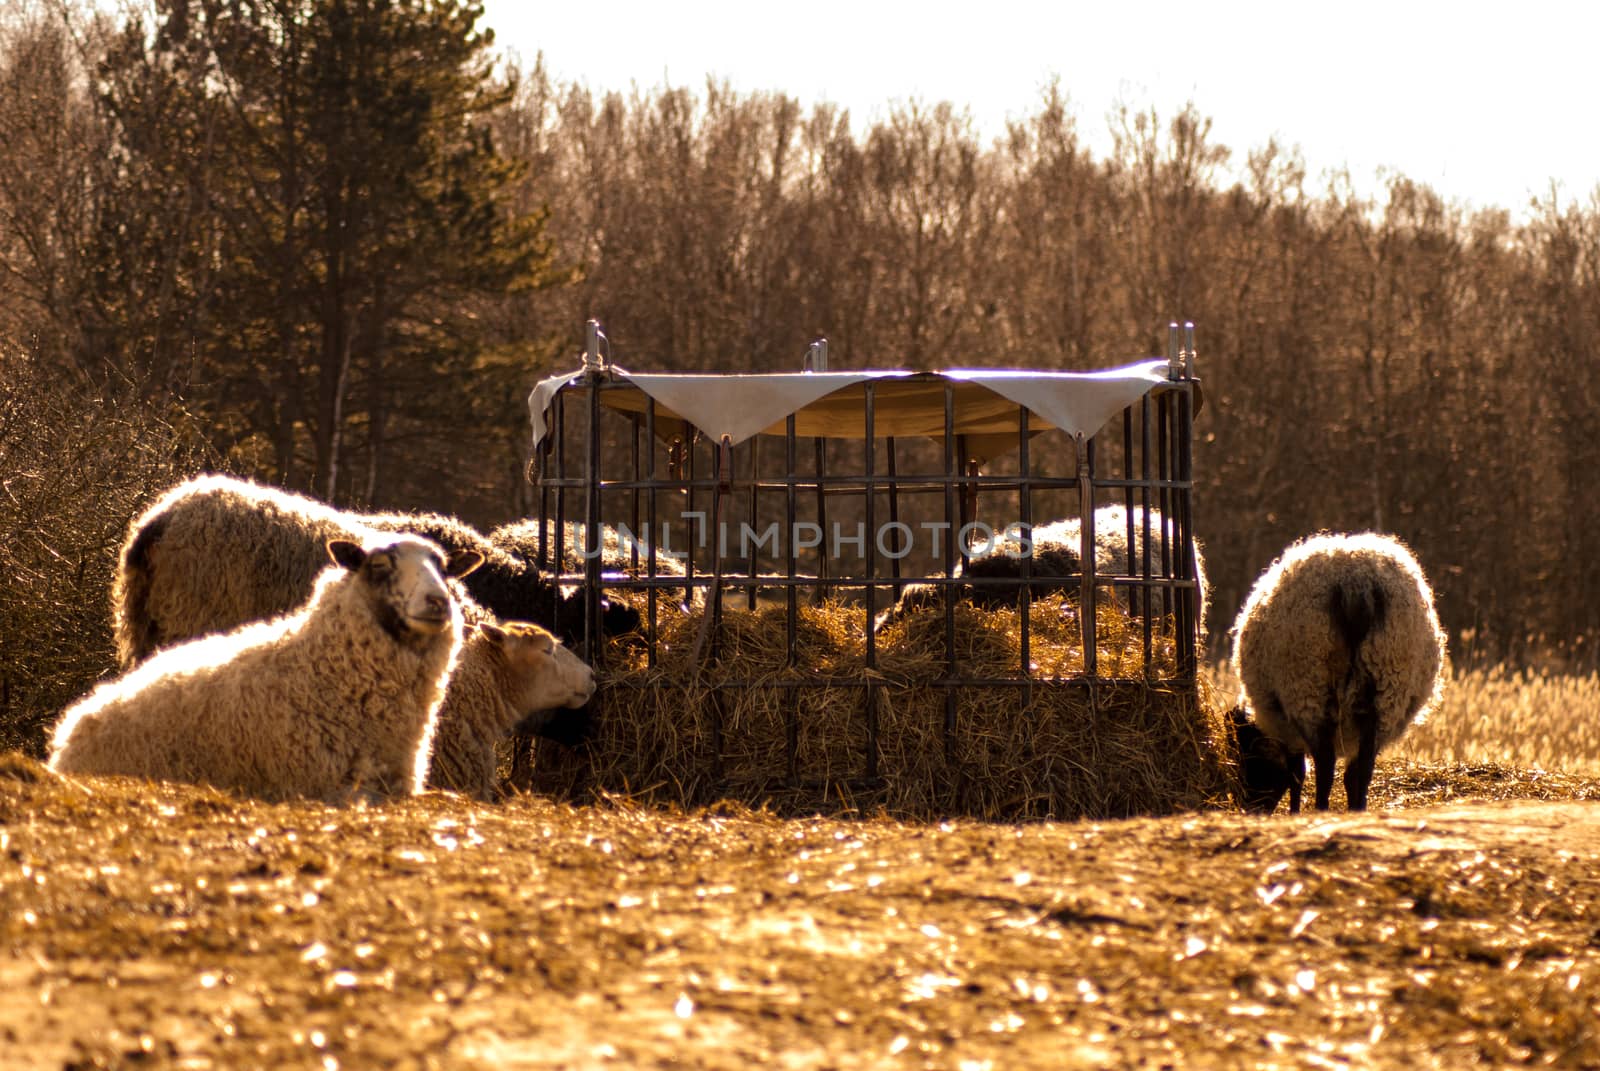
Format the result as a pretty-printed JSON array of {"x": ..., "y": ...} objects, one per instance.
[{"x": 832, "y": 404}]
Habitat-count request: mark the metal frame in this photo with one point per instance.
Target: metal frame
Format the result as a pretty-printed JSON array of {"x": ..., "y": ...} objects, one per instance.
[{"x": 1154, "y": 439}]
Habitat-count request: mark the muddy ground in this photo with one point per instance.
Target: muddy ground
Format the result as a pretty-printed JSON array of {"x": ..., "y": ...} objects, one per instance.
[{"x": 146, "y": 925}]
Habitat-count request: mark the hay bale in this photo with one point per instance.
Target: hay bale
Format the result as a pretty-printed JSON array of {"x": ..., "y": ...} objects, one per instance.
[{"x": 728, "y": 717}]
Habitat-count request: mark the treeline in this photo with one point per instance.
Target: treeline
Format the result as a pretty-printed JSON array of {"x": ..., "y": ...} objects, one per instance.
[
  {"x": 335, "y": 241},
  {"x": 1399, "y": 364}
]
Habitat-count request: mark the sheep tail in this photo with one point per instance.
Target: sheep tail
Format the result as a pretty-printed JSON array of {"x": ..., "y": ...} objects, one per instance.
[
  {"x": 136, "y": 634},
  {"x": 1357, "y": 606}
]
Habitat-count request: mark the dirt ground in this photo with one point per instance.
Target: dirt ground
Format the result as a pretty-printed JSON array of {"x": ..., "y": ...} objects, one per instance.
[{"x": 149, "y": 925}]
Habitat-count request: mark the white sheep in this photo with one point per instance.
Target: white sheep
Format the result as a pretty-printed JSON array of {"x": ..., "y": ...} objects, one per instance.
[
  {"x": 1339, "y": 651},
  {"x": 336, "y": 699},
  {"x": 178, "y": 578},
  {"x": 508, "y": 676}
]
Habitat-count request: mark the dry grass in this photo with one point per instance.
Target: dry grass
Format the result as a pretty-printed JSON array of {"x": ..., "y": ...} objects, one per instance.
[
  {"x": 807, "y": 738},
  {"x": 74, "y": 466},
  {"x": 166, "y": 925},
  {"x": 1521, "y": 718}
]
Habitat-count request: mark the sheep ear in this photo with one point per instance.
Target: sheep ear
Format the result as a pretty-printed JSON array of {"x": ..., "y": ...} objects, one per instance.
[
  {"x": 494, "y": 634},
  {"x": 344, "y": 552},
  {"x": 462, "y": 562}
]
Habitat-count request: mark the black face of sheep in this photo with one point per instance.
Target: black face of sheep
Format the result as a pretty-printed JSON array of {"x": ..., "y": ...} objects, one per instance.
[
  {"x": 1266, "y": 768},
  {"x": 405, "y": 581},
  {"x": 618, "y": 618},
  {"x": 572, "y": 728},
  {"x": 1053, "y": 561}
]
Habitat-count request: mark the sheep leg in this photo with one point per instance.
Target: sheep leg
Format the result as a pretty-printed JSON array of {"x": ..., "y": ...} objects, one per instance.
[
  {"x": 1358, "y": 771},
  {"x": 1323, "y": 757},
  {"x": 1297, "y": 779}
]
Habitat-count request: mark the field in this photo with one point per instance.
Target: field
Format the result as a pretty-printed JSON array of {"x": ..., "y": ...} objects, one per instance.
[{"x": 175, "y": 926}]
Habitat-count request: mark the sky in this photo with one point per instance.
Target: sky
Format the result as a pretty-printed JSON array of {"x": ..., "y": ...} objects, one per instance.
[{"x": 1485, "y": 103}]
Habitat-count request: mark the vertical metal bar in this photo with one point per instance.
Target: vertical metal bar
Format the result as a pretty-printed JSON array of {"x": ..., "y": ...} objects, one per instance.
[
  {"x": 546, "y": 456},
  {"x": 593, "y": 542},
  {"x": 968, "y": 490},
  {"x": 791, "y": 514},
  {"x": 1128, "y": 566},
  {"x": 1189, "y": 598},
  {"x": 722, "y": 486},
  {"x": 950, "y": 513},
  {"x": 1163, "y": 438},
  {"x": 823, "y": 572},
  {"x": 559, "y": 562},
  {"x": 1025, "y": 519},
  {"x": 637, "y": 427},
  {"x": 894, "y": 512},
  {"x": 1086, "y": 547},
  {"x": 651, "y": 593},
  {"x": 791, "y": 596},
  {"x": 871, "y": 549},
  {"x": 1145, "y": 471},
  {"x": 723, "y": 482},
  {"x": 750, "y": 569},
  {"x": 1127, "y": 471},
  {"x": 691, "y": 437}
]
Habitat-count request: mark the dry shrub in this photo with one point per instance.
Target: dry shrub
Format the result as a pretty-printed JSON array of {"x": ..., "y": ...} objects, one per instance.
[
  {"x": 1496, "y": 715},
  {"x": 746, "y": 725},
  {"x": 75, "y": 465},
  {"x": 1521, "y": 717}
]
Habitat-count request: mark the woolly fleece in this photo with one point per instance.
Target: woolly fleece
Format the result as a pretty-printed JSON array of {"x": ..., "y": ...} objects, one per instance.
[
  {"x": 322, "y": 703},
  {"x": 180, "y": 573},
  {"x": 1287, "y": 645},
  {"x": 498, "y": 684}
]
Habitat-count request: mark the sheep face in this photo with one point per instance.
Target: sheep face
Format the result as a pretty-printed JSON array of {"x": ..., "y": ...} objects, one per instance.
[
  {"x": 1266, "y": 768},
  {"x": 405, "y": 582},
  {"x": 549, "y": 676}
]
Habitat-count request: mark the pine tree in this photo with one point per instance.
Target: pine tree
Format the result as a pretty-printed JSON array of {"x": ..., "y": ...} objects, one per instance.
[{"x": 352, "y": 205}]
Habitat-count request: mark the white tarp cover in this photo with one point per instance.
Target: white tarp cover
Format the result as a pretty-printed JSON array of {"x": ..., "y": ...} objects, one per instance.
[{"x": 832, "y": 404}]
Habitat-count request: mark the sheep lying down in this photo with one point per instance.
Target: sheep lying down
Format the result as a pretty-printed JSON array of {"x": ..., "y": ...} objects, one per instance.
[
  {"x": 1339, "y": 652},
  {"x": 510, "y": 677},
  {"x": 177, "y": 579},
  {"x": 336, "y": 699}
]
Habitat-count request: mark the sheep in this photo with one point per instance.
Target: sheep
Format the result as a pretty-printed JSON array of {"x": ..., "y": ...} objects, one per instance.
[
  {"x": 1055, "y": 555},
  {"x": 1339, "y": 651},
  {"x": 336, "y": 699},
  {"x": 1266, "y": 770},
  {"x": 508, "y": 676},
  {"x": 168, "y": 586},
  {"x": 521, "y": 538}
]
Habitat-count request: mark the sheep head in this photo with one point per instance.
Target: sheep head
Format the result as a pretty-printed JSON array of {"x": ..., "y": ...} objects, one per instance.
[
  {"x": 1266, "y": 768},
  {"x": 547, "y": 676},
  {"x": 405, "y": 583}
]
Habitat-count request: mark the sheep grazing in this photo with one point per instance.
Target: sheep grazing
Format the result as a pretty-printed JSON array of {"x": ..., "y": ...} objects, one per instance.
[
  {"x": 521, "y": 538},
  {"x": 1056, "y": 554},
  {"x": 508, "y": 676},
  {"x": 1339, "y": 651},
  {"x": 1056, "y": 564},
  {"x": 336, "y": 699},
  {"x": 175, "y": 581}
]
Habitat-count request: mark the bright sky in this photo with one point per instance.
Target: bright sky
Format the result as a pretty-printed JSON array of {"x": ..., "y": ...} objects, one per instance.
[{"x": 1485, "y": 103}]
